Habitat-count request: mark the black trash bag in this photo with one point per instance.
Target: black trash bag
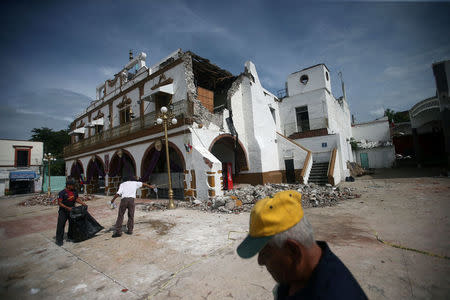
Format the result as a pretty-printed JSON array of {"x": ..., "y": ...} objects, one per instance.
[
  {"x": 84, "y": 226},
  {"x": 349, "y": 179}
]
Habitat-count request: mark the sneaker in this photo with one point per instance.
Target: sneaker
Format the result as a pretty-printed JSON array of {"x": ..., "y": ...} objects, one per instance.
[
  {"x": 59, "y": 243},
  {"x": 116, "y": 234},
  {"x": 129, "y": 232}
]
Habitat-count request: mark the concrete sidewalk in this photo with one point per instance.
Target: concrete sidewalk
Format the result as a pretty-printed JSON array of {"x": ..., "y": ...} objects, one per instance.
[{"x": 189, "y": 254}]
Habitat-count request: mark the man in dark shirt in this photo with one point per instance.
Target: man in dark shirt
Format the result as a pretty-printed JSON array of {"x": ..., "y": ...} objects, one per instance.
[
  {"x": 284, "y": 241},
  {"x": 66, "y": 200}
]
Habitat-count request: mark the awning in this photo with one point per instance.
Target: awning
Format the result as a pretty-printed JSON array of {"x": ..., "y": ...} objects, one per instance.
[
  {"x": 80, "y": 130},
  {"x": 22, "y": 175},
  {"x": 98, "y": 122},
  {"x": 167, "y": 89}
]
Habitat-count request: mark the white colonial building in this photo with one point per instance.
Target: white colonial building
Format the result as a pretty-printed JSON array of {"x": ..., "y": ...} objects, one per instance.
[
  {"x": 20, "y": 166},
  {"x": 230, "y": 129}
]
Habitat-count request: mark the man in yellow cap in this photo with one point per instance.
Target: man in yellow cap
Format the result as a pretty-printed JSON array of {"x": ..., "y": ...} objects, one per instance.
[{"x": 284, "y": 241}]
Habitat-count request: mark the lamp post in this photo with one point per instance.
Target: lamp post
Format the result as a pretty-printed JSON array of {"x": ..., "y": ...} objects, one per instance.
[
  {"x": 49, "y": 158},
  {"x": 166, "y": 117}
]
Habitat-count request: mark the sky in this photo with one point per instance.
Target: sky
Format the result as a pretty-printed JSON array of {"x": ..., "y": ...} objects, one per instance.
[{"x": 55, "y": 53}]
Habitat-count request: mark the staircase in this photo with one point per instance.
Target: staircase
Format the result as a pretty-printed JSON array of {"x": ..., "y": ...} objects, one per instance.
[{"x": 319, "y": 174}]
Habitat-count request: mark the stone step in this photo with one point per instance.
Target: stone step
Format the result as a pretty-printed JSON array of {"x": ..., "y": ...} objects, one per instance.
[
  {"x": 319, "y": 182},
  {"x": 320, "y": 167},
  {"x": 319, "y": 173}
]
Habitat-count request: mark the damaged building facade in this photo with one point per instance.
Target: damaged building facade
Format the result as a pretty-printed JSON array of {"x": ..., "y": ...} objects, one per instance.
[{"x": 229, "y": 129}]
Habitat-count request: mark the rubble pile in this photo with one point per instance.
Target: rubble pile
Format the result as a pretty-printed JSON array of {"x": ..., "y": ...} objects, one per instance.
[
  {"x": 156, "y": 205},
  {"x": 355, "y": 169},
  {"x": 46, "y": 200},
  {"x": 243, "y": 199}
]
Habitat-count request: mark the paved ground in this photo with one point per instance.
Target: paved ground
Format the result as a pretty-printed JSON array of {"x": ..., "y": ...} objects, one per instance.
[{"x": 187, "y": 254}]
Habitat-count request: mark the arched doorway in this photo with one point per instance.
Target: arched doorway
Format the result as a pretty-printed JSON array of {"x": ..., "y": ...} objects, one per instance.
[
  {"x": 154, "y": 169},
  {"x": 122, "y": 165},
  {"x": 231, "y": 154},
  {"x": 76, "y": 173},
  {"x": 95, "y": 176}
]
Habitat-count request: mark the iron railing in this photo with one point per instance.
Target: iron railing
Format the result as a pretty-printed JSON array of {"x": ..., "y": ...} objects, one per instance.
[
  {"x": 430, "y": 103},
  {"x": 316, "y": 123},
  {"x": 179, "y": 110}
]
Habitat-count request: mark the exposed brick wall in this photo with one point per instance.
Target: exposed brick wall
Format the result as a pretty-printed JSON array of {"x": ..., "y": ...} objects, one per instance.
[
  {"x": 206, "y": 97},
  {"x": 309, "y": 133}
]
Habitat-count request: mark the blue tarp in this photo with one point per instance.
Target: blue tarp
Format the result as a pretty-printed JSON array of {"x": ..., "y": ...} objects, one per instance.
[{"x": 22, "y": 175}]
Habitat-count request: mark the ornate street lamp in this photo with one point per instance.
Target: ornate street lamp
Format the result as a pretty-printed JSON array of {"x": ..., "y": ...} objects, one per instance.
[
  {"x": 49, "y": 158},
  {"x": 166, "y": 117}
]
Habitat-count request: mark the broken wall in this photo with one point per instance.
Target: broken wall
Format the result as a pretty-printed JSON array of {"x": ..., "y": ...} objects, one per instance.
[
  {"x": 207, "y": 88},
  {"x": 254, "y": 123}
]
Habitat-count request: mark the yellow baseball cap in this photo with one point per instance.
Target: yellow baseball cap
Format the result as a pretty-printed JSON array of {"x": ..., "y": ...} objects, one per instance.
[{"x": 268, "y": 217}]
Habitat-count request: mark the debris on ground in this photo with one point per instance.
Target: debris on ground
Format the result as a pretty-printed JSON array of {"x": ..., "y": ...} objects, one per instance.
[
  {"x": 242, "y": 199},
  {"x": 355, "y": 169},
  {"x": 48, "y": 200}
]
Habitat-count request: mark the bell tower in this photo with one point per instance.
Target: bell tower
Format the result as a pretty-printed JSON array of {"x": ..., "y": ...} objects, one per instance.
[{"x": 308, "y": 80}]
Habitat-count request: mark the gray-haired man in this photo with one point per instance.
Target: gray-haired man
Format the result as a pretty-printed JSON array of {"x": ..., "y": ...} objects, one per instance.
[{"x": 303, "y": 268}]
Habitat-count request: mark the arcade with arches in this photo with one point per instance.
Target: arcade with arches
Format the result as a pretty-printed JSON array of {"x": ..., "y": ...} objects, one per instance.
[{"x": 154, "y": 169}]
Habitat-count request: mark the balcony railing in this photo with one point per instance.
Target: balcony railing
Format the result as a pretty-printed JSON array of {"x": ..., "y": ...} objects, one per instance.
[
  {"x": 137, "y": 124},
  {"x": 316, "y": 123},
  {"x": 427, "y": 104}
]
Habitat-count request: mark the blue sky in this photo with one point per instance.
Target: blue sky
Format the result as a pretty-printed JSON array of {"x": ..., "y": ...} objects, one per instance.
[{"x": 54, "y": 53}]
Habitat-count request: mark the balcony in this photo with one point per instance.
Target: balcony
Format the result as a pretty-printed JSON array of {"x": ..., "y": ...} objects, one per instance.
[
  {"x": 316, "y": 126},
  {"x": 117, "y": 134}
]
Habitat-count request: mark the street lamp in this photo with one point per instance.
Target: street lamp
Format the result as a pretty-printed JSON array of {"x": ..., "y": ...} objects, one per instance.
[
  {"x": 166, "y": 117},
  {"x": 49, "y": 158}
]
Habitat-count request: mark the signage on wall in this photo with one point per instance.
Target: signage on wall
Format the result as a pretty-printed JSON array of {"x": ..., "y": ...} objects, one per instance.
[{"x": 324, "y": 145}]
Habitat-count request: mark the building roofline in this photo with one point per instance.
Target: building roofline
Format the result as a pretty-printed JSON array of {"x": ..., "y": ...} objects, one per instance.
[
  {"x": 15, "y": 140},
  {"x": 312, "y": 67},
  {"x": 371, "y": 122},
  {"x": 422, "y": 101},
  {"x": 440, "y": 62}
]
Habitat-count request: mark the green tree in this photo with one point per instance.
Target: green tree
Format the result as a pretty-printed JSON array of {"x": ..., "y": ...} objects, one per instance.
[
  {"x": 396, "y": 116},
  {"x": 54, "y": 142}
]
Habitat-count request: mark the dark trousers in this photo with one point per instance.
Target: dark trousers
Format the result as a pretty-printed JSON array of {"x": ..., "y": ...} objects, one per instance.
[
  {"x": 125, "y": 203},
  {"x": 63, "y": 216}
]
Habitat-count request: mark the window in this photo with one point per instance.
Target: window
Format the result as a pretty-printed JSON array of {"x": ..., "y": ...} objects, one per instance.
[
  {"x": 304, "y": 79},
  {"x": 272, "y": 111},
  {"x": 22, "y": 158},
  {"x": 161, "y": 100},
  {"x": 125, "y": 115},
  {"x": 98, "y": 129},
  {"x": 326, "y": 75},
  {"x": 302, "y": 118}
]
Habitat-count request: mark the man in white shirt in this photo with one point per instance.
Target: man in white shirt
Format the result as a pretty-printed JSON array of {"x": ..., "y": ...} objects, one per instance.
[{"x": 127, "y": 190}]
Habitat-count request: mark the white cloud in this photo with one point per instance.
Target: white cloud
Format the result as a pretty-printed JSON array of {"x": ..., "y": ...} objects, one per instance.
[
  {"x": 44, "y": 114},
  {"x": 107, "y": 71},
  {"x": 379, "y": 112},
  {"x": 395, "y": 71}
]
